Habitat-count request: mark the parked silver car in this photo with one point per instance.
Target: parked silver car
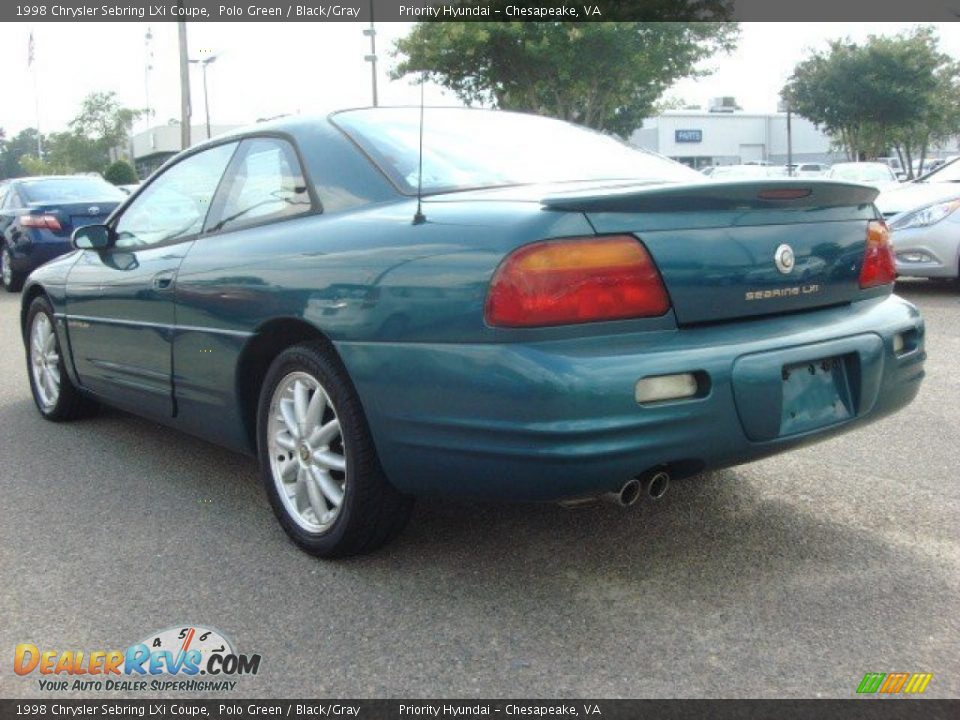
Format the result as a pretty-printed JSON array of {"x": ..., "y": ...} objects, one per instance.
[{"x": 924, "y": 217}]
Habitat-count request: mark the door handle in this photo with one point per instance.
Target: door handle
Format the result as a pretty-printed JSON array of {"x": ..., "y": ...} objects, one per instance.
[{"x": 163, "y": 280}]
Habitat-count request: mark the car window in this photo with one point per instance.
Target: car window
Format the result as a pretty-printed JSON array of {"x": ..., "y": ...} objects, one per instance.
[
  {"x": 68, "y": 189},
  {"x": 175, "y": 204},
  {"x": 465, "y": 148},
  {"x": 13, "y": 199},
  {"x": 265, "y": 182}
]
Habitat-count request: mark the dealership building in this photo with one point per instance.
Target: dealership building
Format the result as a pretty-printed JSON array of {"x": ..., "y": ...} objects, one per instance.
[
  {"x": 151, "y": 148},
  {"x": 701, "y": 138}
]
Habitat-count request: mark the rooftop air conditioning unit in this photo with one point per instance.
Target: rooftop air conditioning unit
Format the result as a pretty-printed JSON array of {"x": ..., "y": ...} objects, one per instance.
[{"x": 726, "y": 104}]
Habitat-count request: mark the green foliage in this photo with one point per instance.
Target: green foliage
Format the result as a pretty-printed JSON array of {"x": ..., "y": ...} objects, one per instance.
[
  {"x": 120, "y": 172},
  {"x": 899, "y": 92},
  {"x": 23, "y": 143},
  {"x": 32, "y": 165},
  {"x": 99, "y": 130},
  {"x": 605, "y": 75}
]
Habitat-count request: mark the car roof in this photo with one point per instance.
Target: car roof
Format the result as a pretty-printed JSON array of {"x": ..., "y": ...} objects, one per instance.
[
  {"x": 861, "y": 164},
  {"x": 291, "y": 124}
]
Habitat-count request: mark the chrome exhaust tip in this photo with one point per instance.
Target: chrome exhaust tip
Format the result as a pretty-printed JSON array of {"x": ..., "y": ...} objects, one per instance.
[
  {"x": 655, "y": 485},
  {"x": 626, "y": 495}
]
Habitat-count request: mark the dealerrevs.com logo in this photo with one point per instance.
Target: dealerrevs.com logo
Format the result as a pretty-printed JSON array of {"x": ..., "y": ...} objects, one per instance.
[{"x": 188, "y": 658}]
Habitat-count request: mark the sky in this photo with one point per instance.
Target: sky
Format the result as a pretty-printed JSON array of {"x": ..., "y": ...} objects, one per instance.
[{"x": 267, "y": 69}]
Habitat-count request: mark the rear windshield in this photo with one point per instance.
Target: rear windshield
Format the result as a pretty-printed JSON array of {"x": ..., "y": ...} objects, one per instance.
[
  {"x": 465, "y": 149},
  {"x": 69, "y": 189}
]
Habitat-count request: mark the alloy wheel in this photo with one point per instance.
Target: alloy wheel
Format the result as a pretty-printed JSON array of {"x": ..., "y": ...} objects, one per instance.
[
  {"x": 45, "y": 361},
  {"x": 307, "y": 457},
  {"x": 7, "y": 268}
]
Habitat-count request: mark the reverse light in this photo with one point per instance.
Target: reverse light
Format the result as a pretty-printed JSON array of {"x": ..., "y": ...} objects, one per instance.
[
  {"x": 46, "y": 222},
  {"x": 898, "y": 344},
  {"x": 924, "y": 217},
  {"x": 560, "y": 282},
  {"x": 666, "y": 387},
  {"x": 879, "y": 267}
]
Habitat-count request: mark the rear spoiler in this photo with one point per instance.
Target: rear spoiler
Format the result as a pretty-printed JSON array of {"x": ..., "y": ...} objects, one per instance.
[{"x": 716, "y": 195}]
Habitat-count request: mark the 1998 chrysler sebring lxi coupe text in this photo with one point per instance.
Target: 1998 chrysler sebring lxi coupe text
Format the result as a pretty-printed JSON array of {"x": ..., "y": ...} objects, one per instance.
[{"x": 562, "y": 317}]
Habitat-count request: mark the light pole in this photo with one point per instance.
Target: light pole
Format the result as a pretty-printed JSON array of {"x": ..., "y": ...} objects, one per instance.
[
  {"x": 203, "y": 62},
  {"x": 185, "y": 109},
  {"x": 371, "y": 32},
  {"x": 147, "y": 67},
  {"x": 784, "y": 106}
]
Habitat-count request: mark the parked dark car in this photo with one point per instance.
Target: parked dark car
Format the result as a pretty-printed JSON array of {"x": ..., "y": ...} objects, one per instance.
[
  {"x": 562, "y": 316},
  {"x": 38, "y": 214}
]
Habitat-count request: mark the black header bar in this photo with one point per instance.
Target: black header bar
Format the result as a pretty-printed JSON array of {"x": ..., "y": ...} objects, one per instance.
[{"x": 476, "y": 10}]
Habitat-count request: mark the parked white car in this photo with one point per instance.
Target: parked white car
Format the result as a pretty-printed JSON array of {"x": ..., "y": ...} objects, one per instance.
[
  {"x": 924, "y": 217},
  {"x": 810, "y": 169},
  {"x": 878, "y": 174}
]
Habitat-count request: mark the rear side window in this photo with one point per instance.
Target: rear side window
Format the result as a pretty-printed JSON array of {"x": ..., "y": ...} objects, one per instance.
[{"x": 265, "y": 182}]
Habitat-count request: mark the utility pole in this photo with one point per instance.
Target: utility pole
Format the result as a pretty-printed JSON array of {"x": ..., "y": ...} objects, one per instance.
[
  {"x": 147, "y": 67},
  {"x": 206, "y": 101},
  {"x": 184, "y": 83},
  {"x": 371, "y": 32},
  {"x": 789, "y": 140}
]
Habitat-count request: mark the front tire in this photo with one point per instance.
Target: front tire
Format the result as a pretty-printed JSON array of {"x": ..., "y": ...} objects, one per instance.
[
  {"x": 55, "y": 395},
  {"x": 318, "y": 462},
  {"x": 12, "y": 280}
]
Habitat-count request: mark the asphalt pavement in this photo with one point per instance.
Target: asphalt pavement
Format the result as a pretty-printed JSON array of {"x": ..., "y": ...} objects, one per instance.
[{"x": 791, "y": 577}]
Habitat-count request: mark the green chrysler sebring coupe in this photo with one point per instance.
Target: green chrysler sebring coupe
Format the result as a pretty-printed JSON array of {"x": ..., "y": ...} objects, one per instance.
[{"x": 522, "y": 309}]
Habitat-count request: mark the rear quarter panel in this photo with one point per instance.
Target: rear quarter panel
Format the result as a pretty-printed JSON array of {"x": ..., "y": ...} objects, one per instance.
[{"x": 365, "y": 276}]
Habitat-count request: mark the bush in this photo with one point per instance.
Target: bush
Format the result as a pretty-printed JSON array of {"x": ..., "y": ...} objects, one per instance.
[{"x": 120, "y": 173}]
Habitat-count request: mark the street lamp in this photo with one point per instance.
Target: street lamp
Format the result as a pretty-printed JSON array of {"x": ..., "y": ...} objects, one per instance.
[
  {"x": 371, "y": 33},
  {"x": 203, "y": 62}
]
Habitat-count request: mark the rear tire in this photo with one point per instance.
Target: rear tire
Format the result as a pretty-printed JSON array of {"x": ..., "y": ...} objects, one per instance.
[
  {"x": 318, "y": 463},
  {"x": 55, "y": 395},
  {"x": 12, "y": 280}
]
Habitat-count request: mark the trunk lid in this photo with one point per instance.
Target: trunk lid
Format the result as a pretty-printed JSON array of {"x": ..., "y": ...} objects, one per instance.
[
  {"x": 75, "y": 214},
  {"x": 724, "y": 249}
]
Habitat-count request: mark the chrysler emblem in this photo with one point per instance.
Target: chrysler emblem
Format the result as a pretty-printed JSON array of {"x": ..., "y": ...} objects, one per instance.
[
  {"x": 94, "y": 210},
  {"x": 784, "y": 259}
]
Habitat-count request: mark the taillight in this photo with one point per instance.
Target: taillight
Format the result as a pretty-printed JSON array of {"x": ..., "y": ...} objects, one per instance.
[
  {"x": 47, "y": 222},
  {"x": 879, "y": 267},
  {"x": 560, "y": 282}
]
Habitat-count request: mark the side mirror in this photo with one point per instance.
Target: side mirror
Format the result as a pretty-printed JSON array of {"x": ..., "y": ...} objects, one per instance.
[
  {"x": 901, "y": 176},
  {"x": 91, "y": 237}
]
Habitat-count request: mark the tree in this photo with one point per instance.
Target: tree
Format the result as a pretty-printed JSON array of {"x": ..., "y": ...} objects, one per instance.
[
  {"x": 605, "y": 75},
  {"x": 23, "y": 143},
  {"x": 120, "y": 172},
  {"x": 867, "y": 95},
  {"x": 932, "y": 125}
]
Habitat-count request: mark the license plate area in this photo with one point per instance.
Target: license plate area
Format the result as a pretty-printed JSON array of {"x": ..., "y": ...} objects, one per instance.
[{"x": 816, "y": 393}]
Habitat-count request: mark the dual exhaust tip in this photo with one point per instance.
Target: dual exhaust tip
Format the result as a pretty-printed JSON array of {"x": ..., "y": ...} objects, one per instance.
[{"x": 652, "y": 485}]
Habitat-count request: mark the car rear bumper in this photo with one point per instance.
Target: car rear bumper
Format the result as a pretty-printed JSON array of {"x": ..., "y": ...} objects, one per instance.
[
  {"x": 552, "y": 420},
  {"x": 27, "y": 257}
]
